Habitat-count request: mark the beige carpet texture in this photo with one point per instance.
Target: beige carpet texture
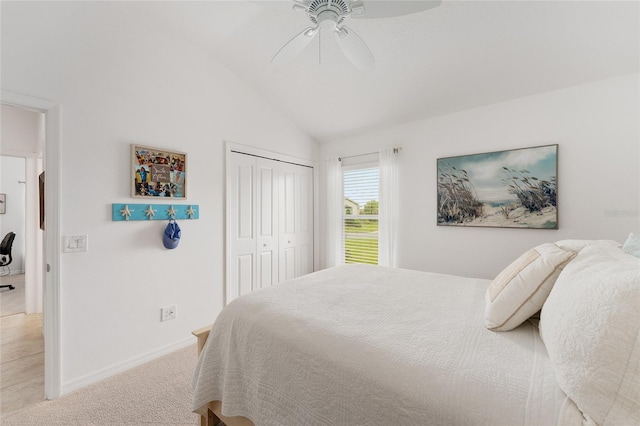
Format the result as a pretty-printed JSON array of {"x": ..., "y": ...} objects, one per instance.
[{"x": 156, "y": 393}]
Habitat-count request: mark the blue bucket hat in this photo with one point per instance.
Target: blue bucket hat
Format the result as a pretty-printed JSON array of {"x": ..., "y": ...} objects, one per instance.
[{"x": 172, "y": 234}]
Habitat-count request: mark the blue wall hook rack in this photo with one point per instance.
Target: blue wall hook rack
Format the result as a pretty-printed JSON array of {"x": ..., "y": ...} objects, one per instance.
[{"x": 131, "y": 212}]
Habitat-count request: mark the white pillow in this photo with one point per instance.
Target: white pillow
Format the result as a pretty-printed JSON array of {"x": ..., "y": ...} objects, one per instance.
[
  {"x": 632, "y": 245},
  {"x": 522, "y": 287},
  {"x": 590, "y": 325},
  {"x": 577, "y": 245}
]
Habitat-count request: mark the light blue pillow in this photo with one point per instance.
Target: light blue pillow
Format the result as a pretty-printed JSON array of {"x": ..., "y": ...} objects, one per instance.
[{"x": 632, "y": 245}]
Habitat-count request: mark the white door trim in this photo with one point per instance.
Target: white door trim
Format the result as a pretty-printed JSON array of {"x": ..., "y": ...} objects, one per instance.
[
  {"x": 270, "y": 155},
  {"x": 51, "y": 312}
]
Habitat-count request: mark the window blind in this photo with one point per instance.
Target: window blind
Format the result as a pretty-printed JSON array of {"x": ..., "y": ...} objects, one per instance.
[{"x": 361, "y": 203}]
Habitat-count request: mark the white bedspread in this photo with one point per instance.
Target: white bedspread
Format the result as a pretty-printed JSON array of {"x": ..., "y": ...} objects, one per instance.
[{"x": 366, "y": 345}]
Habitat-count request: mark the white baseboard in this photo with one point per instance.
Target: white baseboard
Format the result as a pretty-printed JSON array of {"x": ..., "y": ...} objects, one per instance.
[{"x": 123, "y": 366}]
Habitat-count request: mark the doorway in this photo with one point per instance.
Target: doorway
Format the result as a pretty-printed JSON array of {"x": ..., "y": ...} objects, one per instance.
[
  {"x": 50, "y": 254},
  {"x": 21, "y": 336},
  {"x": 21, "y": 164}
]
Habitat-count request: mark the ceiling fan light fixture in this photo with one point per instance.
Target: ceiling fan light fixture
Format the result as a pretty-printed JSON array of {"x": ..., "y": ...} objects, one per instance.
[{"x": 328, "y": 20}]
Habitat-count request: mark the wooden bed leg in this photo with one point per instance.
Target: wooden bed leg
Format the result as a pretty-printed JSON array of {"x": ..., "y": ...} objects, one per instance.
[
  {"x": 209, "y": 420},
  {"x": 202, "y": 334}
]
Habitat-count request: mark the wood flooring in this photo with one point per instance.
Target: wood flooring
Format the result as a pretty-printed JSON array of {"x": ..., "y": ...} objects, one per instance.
[{"x": 21, "y": 362}]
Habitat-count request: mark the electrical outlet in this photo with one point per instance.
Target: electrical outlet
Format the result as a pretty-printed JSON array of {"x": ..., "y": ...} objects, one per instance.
[{"x": 168, "y": 313}]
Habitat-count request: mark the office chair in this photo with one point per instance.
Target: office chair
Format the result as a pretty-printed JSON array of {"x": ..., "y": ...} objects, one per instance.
[{"x": 5, "y": 256}]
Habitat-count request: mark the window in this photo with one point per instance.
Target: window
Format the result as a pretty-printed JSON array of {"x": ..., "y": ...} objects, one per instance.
[{"x": 361, "y": 202}]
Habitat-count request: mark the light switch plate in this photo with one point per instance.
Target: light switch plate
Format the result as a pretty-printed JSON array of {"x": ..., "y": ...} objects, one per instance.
[{"x": 75, "y": 243}]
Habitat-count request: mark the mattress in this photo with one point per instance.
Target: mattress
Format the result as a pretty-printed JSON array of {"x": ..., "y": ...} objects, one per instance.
[{"x": 368, "y": 345}]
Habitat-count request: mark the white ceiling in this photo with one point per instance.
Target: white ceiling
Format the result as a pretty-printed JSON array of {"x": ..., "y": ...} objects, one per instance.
[{"x": 459, "y": 55}]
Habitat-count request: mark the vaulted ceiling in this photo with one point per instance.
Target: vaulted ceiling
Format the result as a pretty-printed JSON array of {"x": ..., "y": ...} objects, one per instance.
[{"x": 460, "y": 55}]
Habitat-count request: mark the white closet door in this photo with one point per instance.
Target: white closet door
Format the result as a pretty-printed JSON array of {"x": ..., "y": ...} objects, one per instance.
[
  {"x": 296, "y": 221},
  {"x": 287, "y": 219},
  {"x": 267, "y": 221},
  {"x": 304, "y": 236},
  {"x": 270, "y": 223},
  {"x": 241, "y": 196}
]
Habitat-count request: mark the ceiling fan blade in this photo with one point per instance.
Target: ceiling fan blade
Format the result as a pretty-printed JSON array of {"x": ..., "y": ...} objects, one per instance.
[
  {"x": 354, "y": 48},
  {"x": 294, "y": 46},
  {"x": 371, "y": 9}
]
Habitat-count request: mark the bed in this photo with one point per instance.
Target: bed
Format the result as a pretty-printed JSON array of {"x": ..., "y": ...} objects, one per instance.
[{"x": 368, "y": 345}]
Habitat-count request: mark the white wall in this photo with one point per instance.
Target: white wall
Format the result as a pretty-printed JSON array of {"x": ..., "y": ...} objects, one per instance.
[
  {"x": 20, "y": 131},
  {"x": 120, "y": 82},
  {"x": 596, "y": 127},
  {"x": 12, "y": 174}
]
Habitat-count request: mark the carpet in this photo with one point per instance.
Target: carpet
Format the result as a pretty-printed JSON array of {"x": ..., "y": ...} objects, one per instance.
[
  {"x": 12, "y": 301},
  {"x": 156, "y": 393}
]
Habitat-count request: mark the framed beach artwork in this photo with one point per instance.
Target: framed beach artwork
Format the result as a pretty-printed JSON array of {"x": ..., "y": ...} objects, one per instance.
[
  {"x": 157, "y": 172},
  {"x": 517, "y": 188}
]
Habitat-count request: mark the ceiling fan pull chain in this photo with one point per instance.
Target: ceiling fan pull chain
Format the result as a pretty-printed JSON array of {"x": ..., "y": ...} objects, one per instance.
[{"x": 319, "y": 46}]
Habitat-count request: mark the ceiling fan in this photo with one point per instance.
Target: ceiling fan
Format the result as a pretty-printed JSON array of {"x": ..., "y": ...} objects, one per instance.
[{"x": 329, "y": 15}]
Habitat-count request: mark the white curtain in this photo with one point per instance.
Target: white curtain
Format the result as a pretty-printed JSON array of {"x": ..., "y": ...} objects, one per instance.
[
  {"x": 335, "y": 208},
  {"x": 387, "y": 213}
]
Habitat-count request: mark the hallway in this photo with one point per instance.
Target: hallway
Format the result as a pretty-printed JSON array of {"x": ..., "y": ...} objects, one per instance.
[{"x": 21, "y": 350}]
